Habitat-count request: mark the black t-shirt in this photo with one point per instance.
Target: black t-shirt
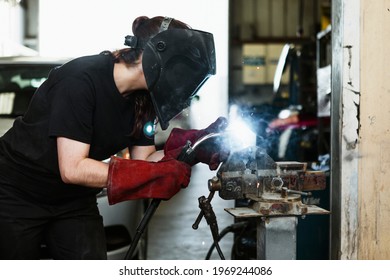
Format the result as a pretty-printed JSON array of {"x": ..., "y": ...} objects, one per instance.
[{"x": 80, "y": 101}]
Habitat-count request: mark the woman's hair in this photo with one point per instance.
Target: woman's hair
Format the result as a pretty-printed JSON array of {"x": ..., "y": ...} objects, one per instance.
[{"x": 144, "y": 28}]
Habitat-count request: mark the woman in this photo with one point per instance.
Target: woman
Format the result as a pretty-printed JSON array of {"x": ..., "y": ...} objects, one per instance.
[{"x": 51, "y": 160}]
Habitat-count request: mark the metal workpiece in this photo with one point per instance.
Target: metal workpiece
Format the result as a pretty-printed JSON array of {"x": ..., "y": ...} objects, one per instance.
[
  {"x": 313, "y": 181},
  {"x": 274, "y": 192},
  {"x": 273, "y": 188}
]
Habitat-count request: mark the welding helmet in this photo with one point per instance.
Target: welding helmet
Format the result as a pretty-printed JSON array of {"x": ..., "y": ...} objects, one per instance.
[{"x": 176, "y": 63}]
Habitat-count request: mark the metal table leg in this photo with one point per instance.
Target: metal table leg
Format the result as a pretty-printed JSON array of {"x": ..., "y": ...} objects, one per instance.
[{"x": 277, "y": 238}]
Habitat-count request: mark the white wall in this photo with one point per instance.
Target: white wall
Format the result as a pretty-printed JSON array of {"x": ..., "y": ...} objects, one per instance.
[
  {"x": 12, "y": 30},
  {"x": 80, "y": 27},
  {"x": 374, "y": 132},
  {"x": 360, "y": 130}
]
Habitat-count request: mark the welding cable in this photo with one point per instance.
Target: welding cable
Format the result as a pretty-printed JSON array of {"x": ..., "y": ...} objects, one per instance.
[
  {"x": 141, "y": 227},
  {"x": 232, "y": 228},
  {"x": 248, "y": 229},
  {"x": 216, "y": 245},
  {"x": 185, "y": 156}
]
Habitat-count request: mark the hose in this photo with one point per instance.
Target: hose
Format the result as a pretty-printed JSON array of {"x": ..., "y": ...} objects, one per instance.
[
  {"x": 141, "y": 227},
  {"x": 232, "y": 228}
]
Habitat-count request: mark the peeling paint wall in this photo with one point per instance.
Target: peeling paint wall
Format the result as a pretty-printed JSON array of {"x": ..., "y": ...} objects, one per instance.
[
  {"x": 360, "y": 227},
  {"x": 345, "y": 114},
  {"x": 374, "y": 131},
  {"x": 350, "y": 127}
]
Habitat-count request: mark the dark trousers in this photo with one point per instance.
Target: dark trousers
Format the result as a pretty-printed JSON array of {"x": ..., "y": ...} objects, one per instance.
[{"x": 70, "y": 230}]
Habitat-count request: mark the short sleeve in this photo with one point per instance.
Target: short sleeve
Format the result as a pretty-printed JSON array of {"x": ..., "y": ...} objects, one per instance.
[{"x": 72, "y": 108}]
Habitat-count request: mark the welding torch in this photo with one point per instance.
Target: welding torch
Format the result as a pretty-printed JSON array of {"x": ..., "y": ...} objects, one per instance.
[{"x": 205, "y": 203}]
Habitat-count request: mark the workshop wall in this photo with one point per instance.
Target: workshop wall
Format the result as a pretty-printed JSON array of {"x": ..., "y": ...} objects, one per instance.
[
  {"x": 374, "y": 132},
  {"x": 360, "y": 130}
]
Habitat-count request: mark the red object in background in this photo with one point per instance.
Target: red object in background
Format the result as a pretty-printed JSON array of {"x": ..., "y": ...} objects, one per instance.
[{"x": 298, "y": 121}]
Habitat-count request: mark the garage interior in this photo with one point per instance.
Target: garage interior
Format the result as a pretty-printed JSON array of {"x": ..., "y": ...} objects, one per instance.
[{"x": 324, "y": 64}]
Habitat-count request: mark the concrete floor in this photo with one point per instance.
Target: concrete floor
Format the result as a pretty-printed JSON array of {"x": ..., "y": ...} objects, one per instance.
[{"x": 170, "y": 235}]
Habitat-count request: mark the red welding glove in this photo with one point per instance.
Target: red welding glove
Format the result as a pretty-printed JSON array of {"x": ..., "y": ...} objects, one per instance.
[
  {"x": 212, "y": 152},
  {"x": 138, "y": 179}
]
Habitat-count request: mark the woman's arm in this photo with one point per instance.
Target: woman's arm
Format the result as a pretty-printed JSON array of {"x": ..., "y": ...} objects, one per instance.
[
  {"x": 76, "y": 167},
  {"x": 148, "y": 153}
]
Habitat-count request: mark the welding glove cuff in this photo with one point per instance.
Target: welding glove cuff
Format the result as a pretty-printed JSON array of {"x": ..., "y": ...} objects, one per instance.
[{"x": 138, "y": 179}]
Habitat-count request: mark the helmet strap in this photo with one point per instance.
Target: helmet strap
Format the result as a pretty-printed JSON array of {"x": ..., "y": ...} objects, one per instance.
[{"x": 165, "y": 24}]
